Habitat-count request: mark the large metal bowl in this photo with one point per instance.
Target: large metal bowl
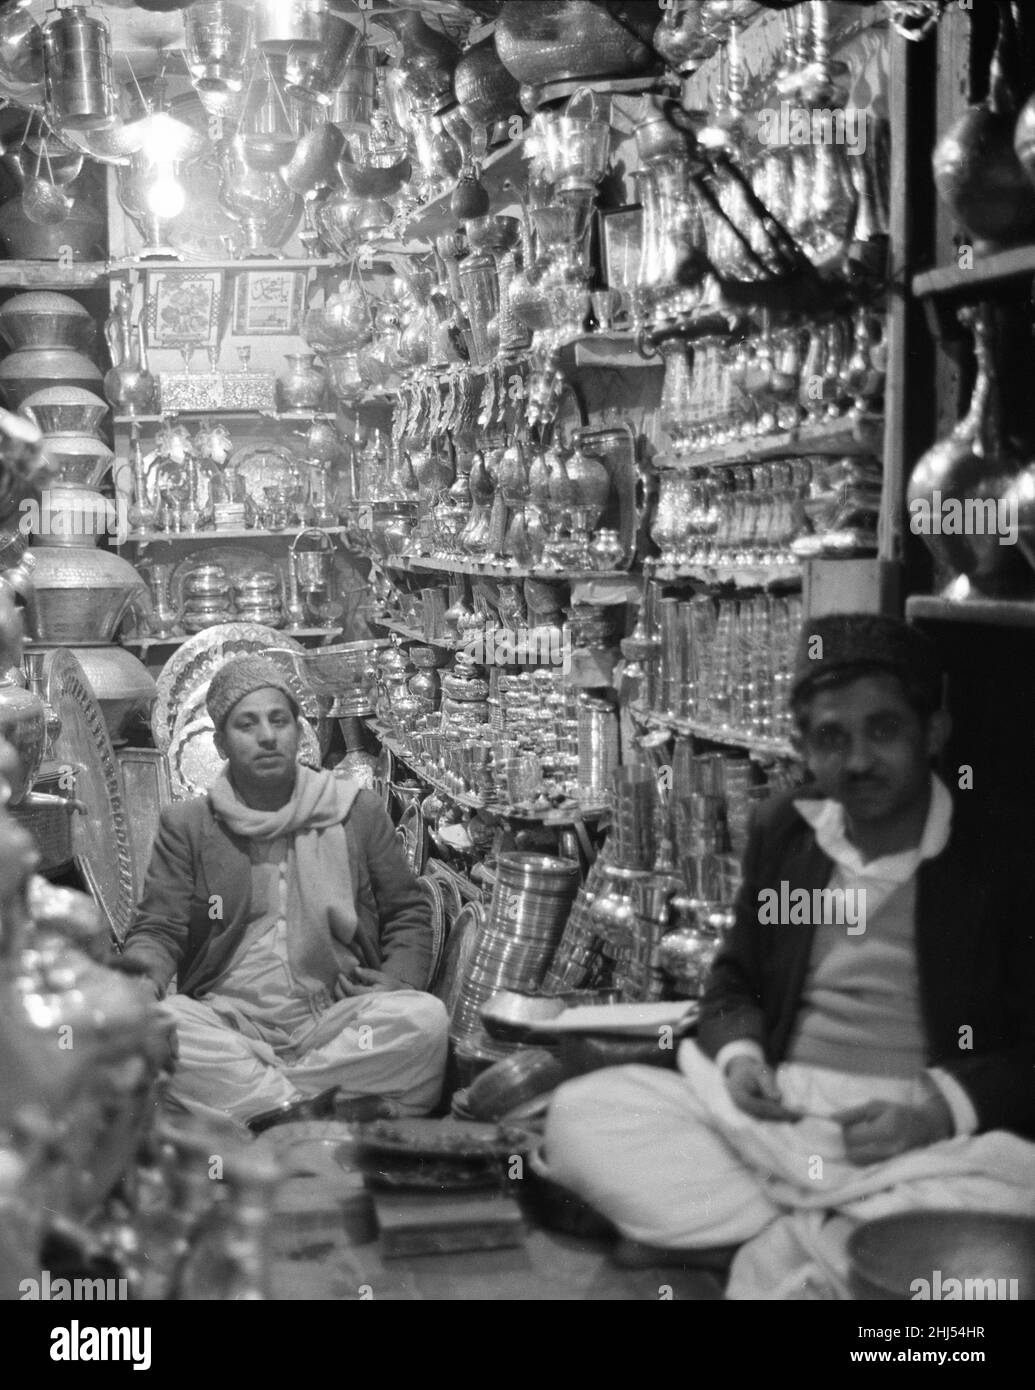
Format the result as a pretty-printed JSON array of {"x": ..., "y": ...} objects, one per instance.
[
  {"x": 43, "y": 319},
  {"x": 29, "y": 369},
  {"x": 65, "y": 410},
  {"x": 985, "y": 1252},
  {"x": 79, "y": 460}
]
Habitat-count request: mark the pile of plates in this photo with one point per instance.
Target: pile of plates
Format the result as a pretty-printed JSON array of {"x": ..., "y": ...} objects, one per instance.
[{"x": 530, "y": 905}]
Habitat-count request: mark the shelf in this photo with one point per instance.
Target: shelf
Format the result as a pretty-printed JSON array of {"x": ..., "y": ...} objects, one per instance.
[
  {"x": 436, "y": 216},
  {"x": 230, "y": 533},
  {"x": 307, "y": 416},
  {"x": 739, "y": 576},
  {"x": 413, "y": 634},
  {"x": 989, "y": 612},
  {"x": 52, "y": 275},
  {"x": 758, "y": 747},
  {"x": 144, "y": 644},
  {"x": 568, "y": 814},
  {"x": 987, "y": 271},
  {"x": 259, "y": 263},
  {"x": 445, "y": 565},
  {"x": 845, "y": 435}
]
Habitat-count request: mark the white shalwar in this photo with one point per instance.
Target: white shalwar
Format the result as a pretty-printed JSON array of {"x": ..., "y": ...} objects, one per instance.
[
  {"x": 263, "y": 1037},
  {"x": 674, "y": 1163}
]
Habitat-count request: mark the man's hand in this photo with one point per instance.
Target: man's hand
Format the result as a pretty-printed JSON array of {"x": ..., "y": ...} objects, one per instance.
[
  {"x": 753, "y": 1089},
  {"x": 368, "y": 982},
  {"x": 881, "y": 1129}
]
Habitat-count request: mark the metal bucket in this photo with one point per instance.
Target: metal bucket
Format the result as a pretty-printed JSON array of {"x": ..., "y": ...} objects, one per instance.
[
  {"x": 78, "y": 70},
  {"x": 283, "y": 25}
]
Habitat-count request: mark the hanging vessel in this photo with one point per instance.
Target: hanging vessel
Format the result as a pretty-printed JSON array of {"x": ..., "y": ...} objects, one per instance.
[
  {"x": 971, "y": 469},
  {"x": 541, "y": 41},
  {"x": 77, "y": 69},
  {"x": 977, "y": 171}
]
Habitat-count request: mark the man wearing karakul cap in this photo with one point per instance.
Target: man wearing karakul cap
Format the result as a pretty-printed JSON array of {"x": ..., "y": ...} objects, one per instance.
[
  {"x": 299, "y": 938},
  {"x": 866, "y": 1042}
]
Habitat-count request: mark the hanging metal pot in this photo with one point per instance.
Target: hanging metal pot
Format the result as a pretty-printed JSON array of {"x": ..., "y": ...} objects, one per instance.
[
  {"x": 283, "y": 25},
  {"x": 315, "y": 76},
  {"x": 218, "y": 45},
  {"x": 21, "y": 57},
  {"x": 77, "y": 69}
]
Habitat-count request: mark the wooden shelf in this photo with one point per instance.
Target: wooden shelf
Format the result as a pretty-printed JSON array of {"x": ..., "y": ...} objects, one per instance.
[
  {"x": 845, "y": 435},
  {"x": 987, "y": 272},
  {"x": 307, "y": 416},
  {"x": 758, "y": 747},
  {"x": 990, "y": 612},
  {"x": 259, "y": 263},
  {"x": 436, "y": 216},
  {"x": 144, "y": 644},
  {"x": 739, "y": 576},
  {"x": 413, "y": 634},
  {"x": 52, "y": 275},
  {"x": 568, "y": 814},
  {"x": 446, "y": 565},
  {"x": 230, "y": 533}
]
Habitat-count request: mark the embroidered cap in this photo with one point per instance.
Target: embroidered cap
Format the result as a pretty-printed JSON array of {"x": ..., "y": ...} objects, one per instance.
[
  {"x": 843, "y": 642},
  {"x": 241, "y": 676}
]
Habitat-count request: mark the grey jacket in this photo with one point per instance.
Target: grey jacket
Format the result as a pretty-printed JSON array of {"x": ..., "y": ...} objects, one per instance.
[{"x": 197, "y": 859}]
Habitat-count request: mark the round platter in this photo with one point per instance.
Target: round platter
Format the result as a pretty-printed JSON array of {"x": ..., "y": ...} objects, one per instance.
[
  {"x": 194, "y": 763},
  {"x": 439, "y": 927},
  {"x": 414, "y": 836},
  {"x": 200, "y": 657},
  {"x": 262, "y": 466},
  {"x": 100, "y": 835}
]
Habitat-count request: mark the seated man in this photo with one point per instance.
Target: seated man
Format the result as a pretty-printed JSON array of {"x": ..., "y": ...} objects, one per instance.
[
  {"x": 862, "y": 1051},
  {"x": 300, "y": 939}
]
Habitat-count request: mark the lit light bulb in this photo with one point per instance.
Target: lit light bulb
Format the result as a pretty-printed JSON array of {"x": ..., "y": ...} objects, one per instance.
[{"x": 165, "y": 197}]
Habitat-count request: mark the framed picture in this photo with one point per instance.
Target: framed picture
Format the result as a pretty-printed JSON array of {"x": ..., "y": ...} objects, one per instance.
[
  {"x": 183, "y": 307},
  {"x": 269, "y": 301},
  {"x": 621, "y": 243}
]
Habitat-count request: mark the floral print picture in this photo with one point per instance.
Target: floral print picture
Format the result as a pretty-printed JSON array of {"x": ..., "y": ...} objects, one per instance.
[{"x": 183, "y": 307}]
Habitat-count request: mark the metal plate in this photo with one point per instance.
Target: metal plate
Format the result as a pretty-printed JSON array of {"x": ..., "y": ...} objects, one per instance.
[
  {"x": 100, "y": 836},
  {"x": 262, "y": 466},
  {"x": 460, "y": 948},
  {"x": 414, "y": 835},
  {"x": 147, "y": 788},
  {"x": 194, "y": 763},
  {"x": 198, "y": 659},
  {"x": 439, "y": 927}
]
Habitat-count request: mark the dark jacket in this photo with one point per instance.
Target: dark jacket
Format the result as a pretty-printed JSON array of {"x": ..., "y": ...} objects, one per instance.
[
  {"x": 975, "y": 944},
  {"x": 197, "y": 859}
]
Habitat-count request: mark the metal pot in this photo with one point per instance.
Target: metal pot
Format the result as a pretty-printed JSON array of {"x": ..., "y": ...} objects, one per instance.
[
  {"x": 42, "y": 319},
  {"x": 73, "y": 516},
  {"x": 542, "y": 41},
  {"x": 297, "y": 26},
  {"x": 315, "y": 76},
  {"x": 77, "y": 70},
  {"x": 122, "y": 685},
  {"x": 65, "y": 410},
  {"x": 23, "y": 724},
  {"x": 29, "y": 369},
  {"x": 78, "y": 460},
  {"x": 81, "y": 594},
  {"x": 486, "y": 91}
]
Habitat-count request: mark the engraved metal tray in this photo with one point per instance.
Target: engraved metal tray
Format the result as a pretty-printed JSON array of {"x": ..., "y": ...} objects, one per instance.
[
  {"x": 194, "y": 763},
  {"x": 100, "y": 836},
  {"x": 200, "y": 657}
]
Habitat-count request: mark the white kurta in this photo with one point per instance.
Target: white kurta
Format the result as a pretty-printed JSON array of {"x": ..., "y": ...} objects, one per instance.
[{"x": 262, "y": 1037}]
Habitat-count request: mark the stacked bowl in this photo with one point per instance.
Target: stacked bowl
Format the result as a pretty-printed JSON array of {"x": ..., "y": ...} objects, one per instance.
[{"x": 81, "y": 590}]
